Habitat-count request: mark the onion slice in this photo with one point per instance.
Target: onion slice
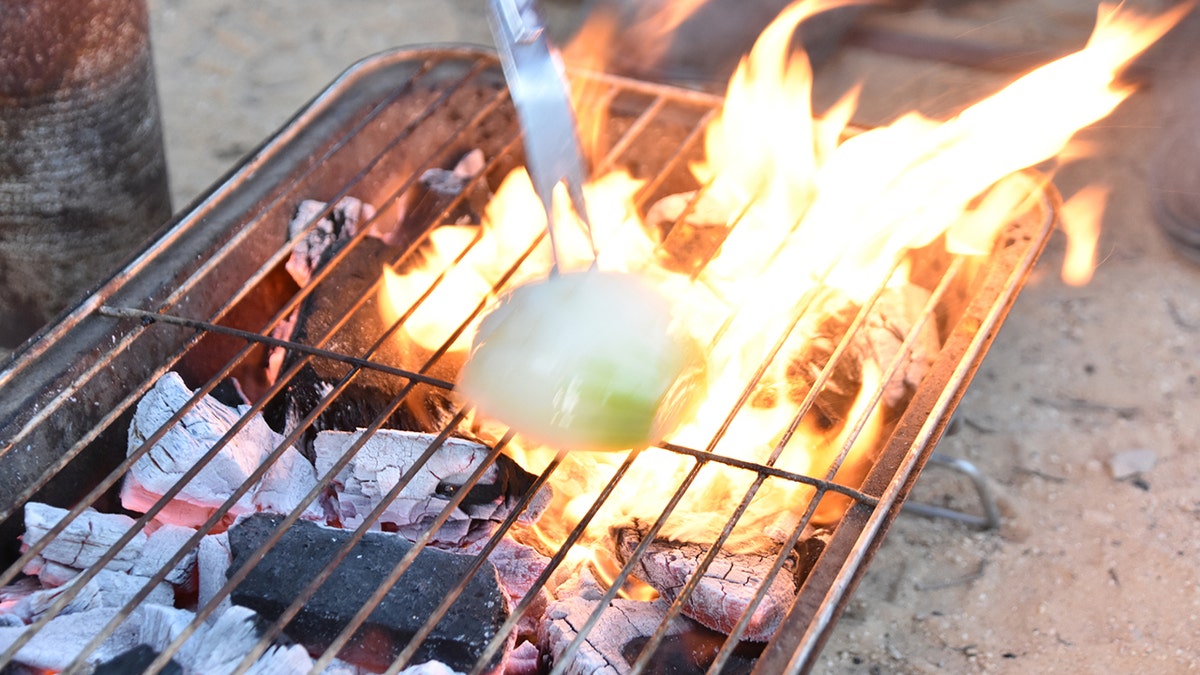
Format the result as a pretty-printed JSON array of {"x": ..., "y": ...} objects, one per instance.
[{"x": 584, "y": 361}]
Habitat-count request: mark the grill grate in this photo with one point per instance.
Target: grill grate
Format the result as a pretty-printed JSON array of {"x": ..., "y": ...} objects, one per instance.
[{"x": 67, "y": 400}]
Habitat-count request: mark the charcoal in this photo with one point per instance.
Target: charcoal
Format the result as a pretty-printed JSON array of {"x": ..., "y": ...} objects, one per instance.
[
  {"x": 340, "y": 224},
  {"x": 604, "y": 651},
  {"x": 136, "y": 660},
  {"x": 877, "y": 342},
  {"x": 438, "y": 190},
  {"x": 727, "y": 587},
  {"x": 305, "y": 549},
  {"x": 693, "y": 227},
  {"x": 371, "y": 392},
  {"x": 389, "y": 454},
  {"x": 692, "y": 653}
]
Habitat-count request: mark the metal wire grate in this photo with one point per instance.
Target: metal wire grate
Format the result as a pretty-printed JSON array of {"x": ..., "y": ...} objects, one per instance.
[{"x": 66, "y": 402}]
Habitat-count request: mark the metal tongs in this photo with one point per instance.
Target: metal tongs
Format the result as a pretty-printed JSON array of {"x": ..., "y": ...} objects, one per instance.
[{"x": 538, "y": 85}]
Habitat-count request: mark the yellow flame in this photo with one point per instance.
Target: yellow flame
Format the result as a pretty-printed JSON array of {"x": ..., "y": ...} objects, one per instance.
[
  {"x": 805, "y": 210},
  {"x": 1080, "y": 219}
]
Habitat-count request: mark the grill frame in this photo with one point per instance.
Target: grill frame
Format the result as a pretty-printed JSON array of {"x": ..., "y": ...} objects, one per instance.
[{"x": 41, "y": 387}]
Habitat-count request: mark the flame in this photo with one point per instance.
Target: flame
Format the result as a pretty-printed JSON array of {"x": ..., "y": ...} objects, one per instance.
[
  {"x": 808, "y": 213},
  {"x": 1080, "y": 217}
]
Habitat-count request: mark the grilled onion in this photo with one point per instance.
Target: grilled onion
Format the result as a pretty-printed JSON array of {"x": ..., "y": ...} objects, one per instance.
[{"x": 584, "y": 361}]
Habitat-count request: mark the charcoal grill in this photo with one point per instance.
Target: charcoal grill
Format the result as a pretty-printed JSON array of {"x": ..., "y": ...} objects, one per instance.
[{"x": 66, "y": 400}]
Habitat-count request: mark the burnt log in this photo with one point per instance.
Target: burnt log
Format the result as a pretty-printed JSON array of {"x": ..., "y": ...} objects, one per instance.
[
  {"x": 458, "y": 639},
  {"x": 726, "y": 588}
]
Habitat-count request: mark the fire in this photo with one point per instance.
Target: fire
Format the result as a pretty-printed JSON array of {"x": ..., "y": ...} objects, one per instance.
[{"x": 810, "y": 213}]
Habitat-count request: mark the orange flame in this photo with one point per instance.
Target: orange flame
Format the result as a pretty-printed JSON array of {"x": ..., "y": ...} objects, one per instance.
[
  {"x": 1080, "y": 217},
  {"x": 812, "y": 212}
]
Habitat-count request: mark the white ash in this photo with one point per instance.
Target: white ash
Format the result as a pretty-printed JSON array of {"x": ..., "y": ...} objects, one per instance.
[
  {"x": 105, "y": 589},
  {"x": 217, "y": 646},
  {"x": 342, "y": 222},
  {"x": 62, "y": 639},
  {"x": 83, "y": 541},
  {"x": 184, "y": 444},
  {"x": 380, "y": 463},
  {"x": 602, "y": 652},
  {"x": 160, "y": 546},
  {"x": 213, "y": 558}
]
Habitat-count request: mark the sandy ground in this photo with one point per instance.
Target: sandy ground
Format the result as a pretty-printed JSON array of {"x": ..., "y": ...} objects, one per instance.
[{"x": 1088, "y": 573}]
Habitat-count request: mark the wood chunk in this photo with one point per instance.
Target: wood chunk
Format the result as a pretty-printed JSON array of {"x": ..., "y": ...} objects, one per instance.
[
  {"x": 84, "y": 540},
  {"x": 306, "y": 548},
  {"x": 726, "y": 589},
  {"x": 183, "y": 445},
  {"x": 603, "y": 652},
  {"x": 388, "y": 454}
]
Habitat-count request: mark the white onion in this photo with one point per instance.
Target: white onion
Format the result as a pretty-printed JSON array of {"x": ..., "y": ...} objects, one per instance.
[{"x": 584, "y": 361}]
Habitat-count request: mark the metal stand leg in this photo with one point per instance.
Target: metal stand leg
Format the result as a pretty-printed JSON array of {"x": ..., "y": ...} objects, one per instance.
[{"x": 991, "y": 518}]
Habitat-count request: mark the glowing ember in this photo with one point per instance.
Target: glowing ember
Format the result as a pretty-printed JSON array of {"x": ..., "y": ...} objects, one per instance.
[{"x": 806, "y": 213}]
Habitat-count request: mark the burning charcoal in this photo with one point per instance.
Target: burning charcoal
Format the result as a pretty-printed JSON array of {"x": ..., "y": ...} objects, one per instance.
[
  {"x": 306, "y": 548},
  {"x": 57, "y": 644},
  {"x": 526, "y": 659},
  {"x": 388, "y": 455},
  {"x": 83, "y": 541},
  {"x": 219, "y": 645},
  {"x": 136, "y": 660},
  {"x": 890, "y": 320},
  {"x": 371, "y": 392},
  {"x": 184, "y": 444},
  {"x": 604, "y": 651},
  {"x": 692, "y": 233},
  {"x": 106, "y": 589},
  {"x": 212, "y": 566},
  {"x": 877, "y": 342},
  {"x": 725, "y": 591},
  {"x": 518, "y": 567},
  {"x": 339, "y": 224},
  {"x": 439, "y": 187}
]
